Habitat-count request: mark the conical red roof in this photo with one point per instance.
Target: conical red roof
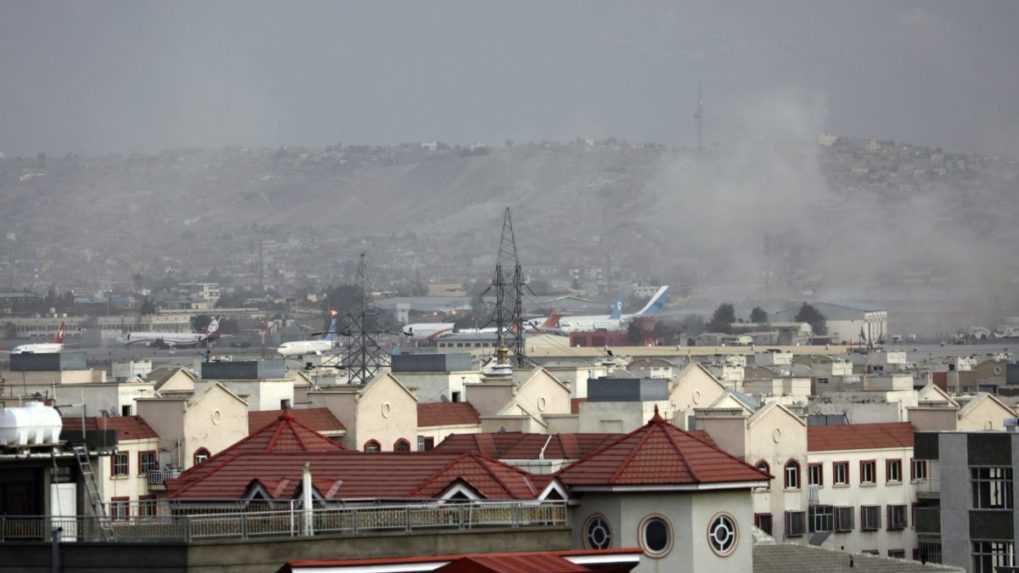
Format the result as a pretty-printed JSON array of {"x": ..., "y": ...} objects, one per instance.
[{"x": 658, "y": 454}]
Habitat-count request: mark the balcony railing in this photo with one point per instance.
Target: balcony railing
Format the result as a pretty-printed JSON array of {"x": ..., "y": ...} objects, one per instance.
[
  {"x": 931, "y": 486},
  {"x": 158, "y": 478},
  {"x": 288, "y": 523}
]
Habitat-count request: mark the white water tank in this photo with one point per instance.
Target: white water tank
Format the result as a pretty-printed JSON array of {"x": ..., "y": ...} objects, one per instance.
[{"x": 33, "y": 423}]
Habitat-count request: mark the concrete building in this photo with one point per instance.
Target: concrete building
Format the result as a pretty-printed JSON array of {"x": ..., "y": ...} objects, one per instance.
[
  {"x": 123, "y": 475},
  {"x": 521, "y": 402},
  {"x": 846, "y": 324},
  {"x": 438, "y": 420},
  {"x": 684, "y": 502},
  {"x": 436, "y": 377},
  {"x": 263, "y": 384},
  {"x": 694, "y": 387},
  {"x": 619, "y": 405},
  {"x": 966, "y": 516},
  {"x": 194, "y": 427},
  {"x": 380, "y": 416}
]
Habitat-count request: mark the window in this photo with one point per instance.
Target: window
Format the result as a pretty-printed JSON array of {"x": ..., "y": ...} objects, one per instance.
[
  {"x": 120, "y": 464},
  {"x": 425, "y": 444},
  {"x": 795, "y": 523},
  {"x": 147, "y": 506},
  {"x": 372, "y": 447},
  {"x": 868, "y": 472},
  {"x": 792, "y": 475},
  {"x": 401, "y": 445},
  {"x": 723, "y": 534},
  {"x": 763, "y": 466},
  {"x": 896, "y": 517},
  {"x": 844, "y": 519},
  {"x": 918, "y": 470},
  {"x": 928, "y": 552},
  {"x": 597, "y": 533},
  {"x": 201, "y": 454},
  {"x": 870, "y": 517},
  {"x": 815, "y": 474},
  {"x": 871, "y": 552},
  {"x": 762, "y": 521},
  {"x": 125, "y": 410},
  {"x": 897, "y": 553},
  {"x": 992, "y": 487},
  {"x": 840, "y": 473},
  {"x": 455, "y": 397},
  {"x": 120, "y": 508},
  {"x": 989, "y": 555},
  {"x": 655, "y": 536},
  {"x": 822, "y": 518},
  {"x": 147, "y": 462},
  {"x": 893, "y": 470}
]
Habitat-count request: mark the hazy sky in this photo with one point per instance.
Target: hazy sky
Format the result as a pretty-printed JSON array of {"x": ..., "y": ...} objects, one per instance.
[{"x": 123, "y": 76}]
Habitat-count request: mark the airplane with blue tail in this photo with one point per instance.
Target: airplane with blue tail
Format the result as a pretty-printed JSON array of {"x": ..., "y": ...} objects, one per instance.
[{"x": 615, "y": 320}]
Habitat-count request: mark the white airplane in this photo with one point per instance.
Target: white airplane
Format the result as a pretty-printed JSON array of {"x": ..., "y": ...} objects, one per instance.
[
  {"x": 174, "y": 339},
  {"x": 616, "y": 320},
  {"x": 427, "y": 330},
  {"x": 317, "y": 347},
  {"x": 43, "y": 347}
]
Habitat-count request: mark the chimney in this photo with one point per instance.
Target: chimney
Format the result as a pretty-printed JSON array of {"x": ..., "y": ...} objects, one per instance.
[{"x": 308, "y": 501}]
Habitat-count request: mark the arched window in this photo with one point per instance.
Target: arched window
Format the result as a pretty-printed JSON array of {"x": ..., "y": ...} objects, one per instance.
[
  {"x": 372, "y": 447},
  {"x": 763, "y": 466},
  {"x": 401, "y": 445},
  {"x": 201, "y": 454},
  {"x": 792, "y": 475}
]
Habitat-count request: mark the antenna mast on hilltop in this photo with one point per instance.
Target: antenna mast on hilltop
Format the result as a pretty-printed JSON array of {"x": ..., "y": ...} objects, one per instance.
[
  {"x": 365, "y": 357},
  {"x": 699, "y": 116}
]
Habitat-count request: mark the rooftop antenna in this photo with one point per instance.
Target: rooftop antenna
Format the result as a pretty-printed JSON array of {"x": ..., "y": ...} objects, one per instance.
[
  {"x": 365, "y": 356},
  {"x": 699, "y": 116}
]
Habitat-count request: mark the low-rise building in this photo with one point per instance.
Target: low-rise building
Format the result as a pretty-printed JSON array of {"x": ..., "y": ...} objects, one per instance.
[{"x": 380, "y": 416}]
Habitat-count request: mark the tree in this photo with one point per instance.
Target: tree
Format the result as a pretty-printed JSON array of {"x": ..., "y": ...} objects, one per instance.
[
  {"x": 722, "y": 319},
  {"x": 814, "y": 318},
  {"x": 758, "y": 315}
]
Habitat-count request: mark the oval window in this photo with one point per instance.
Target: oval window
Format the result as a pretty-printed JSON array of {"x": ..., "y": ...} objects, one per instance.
[
  {"x": 387, "y": 409},
  {"x": 597, "y": 533},
  {"x": 723, "y": 535},
  {"x": 655, "y": 536}
]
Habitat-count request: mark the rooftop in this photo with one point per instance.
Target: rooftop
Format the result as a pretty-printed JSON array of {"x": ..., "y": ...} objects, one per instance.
[
  {"x": 431, "y": 414},
  {"x": 272, "y": 460},
  {"x": 317, "y": 419},
  {"x": 127, "y": 427},
  {"x": 659, "y": 454},
  {"x": 792, "y": 558},
  {"x": 860, "y": 436}
]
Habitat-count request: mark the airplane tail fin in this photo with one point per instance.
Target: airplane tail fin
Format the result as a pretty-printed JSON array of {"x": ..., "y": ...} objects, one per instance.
[
  {"x": 617, "y": 310},
  {"x": 60, "y": 334},
  {"x": 212, "y": 331},
  {"x": 552, "y": 321},
  {"x": 656, "y": 304},
  {"x": 331, "y": 331}
]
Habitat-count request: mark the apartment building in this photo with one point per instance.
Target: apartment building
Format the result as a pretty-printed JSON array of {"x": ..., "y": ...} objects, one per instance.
[
  {"x": 122, "y": 475},
  {"x": 966, "y": 515}
]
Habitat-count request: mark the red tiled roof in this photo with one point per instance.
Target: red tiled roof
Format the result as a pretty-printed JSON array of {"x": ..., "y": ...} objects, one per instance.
[
  {"x": 318, "y": 419},
  {"x": 625, "y": 562},
  {"x": 523, "y": 446},
  {"x": 274, "y": 458},
  {"x": 127, "y": 427},
  {"x": 446, "y": 414},
  {"x": 512, "y": 563},
  {"x": 658, "y": 454},
  {"x": 860, "y": 436}
]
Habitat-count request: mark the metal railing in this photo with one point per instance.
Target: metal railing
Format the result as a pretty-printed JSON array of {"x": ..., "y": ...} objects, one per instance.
[
  {"x": 349, "y": 521},
  {"x": 159, "y": 477}
]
